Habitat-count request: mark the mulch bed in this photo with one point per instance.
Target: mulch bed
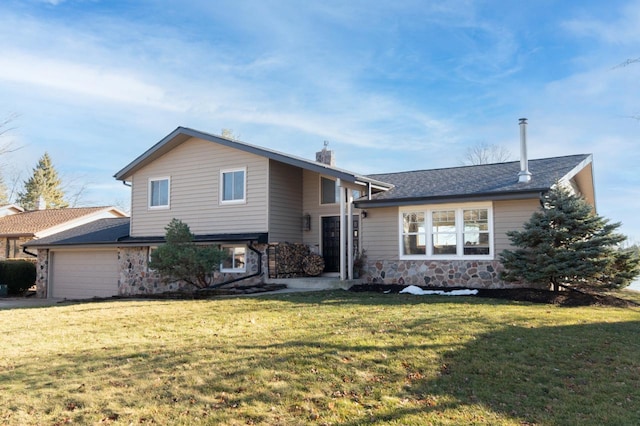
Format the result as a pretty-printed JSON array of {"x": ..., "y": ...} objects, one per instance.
[{"x": 562, "y": 298}]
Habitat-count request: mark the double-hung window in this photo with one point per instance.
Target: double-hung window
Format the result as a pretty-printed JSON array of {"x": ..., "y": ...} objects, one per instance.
[
  {"x": 233, "y": 186},
  {"x": 446, "y": 232},
  {"x": 235, "y": 260},
  {"x": 159, "y": 193}
]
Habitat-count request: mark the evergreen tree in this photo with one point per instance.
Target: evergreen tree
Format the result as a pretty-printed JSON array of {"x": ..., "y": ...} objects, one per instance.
[
  {"x": 43, "y": 183},
  {"x": 567, "y": 244},
  {"x": 180, "y": 259}
]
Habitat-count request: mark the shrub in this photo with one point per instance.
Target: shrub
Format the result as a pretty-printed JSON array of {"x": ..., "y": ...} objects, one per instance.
[
  {"x": 180, "y": 259},
  {"x": 18, "y": 275}
]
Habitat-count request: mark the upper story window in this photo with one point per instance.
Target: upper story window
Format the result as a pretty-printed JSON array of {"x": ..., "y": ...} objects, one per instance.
[
  {"x": 328, "y": 191},
  {"x": 233, "y": 187},
  {"x": 446, "y": 232},
  {"x": 159, "y": 193}
]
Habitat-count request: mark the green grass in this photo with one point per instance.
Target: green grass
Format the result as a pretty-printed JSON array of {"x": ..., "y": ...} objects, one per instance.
[{"x": 320, "y": 358}]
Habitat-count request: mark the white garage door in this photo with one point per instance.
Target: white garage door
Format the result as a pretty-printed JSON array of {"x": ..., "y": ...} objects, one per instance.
[{"x": 83, "y": 274}]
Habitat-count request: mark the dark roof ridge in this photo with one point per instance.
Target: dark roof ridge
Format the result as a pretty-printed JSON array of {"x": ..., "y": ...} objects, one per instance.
[{"x": 476, "y": 165}]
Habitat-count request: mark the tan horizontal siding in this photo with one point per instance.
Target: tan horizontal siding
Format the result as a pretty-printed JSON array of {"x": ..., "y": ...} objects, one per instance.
[
  {"x": 194, "y": 169},
  {"x": 380, "y": 234},
  {"x": 311, "y": 205},
  {"x": 285, "y": 203},
  {"x": 510, "y": 215}
]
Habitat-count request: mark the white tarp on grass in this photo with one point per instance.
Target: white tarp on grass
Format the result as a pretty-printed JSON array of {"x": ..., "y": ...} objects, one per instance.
[{"x": 412, "y": 289}]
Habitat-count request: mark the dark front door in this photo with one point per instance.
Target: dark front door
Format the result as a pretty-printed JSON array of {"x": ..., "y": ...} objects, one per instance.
[{"x": 331, "y": 242}]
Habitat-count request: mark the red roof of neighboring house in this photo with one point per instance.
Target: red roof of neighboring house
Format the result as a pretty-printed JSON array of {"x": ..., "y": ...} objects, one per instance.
[{"x": 31, "y": 222}]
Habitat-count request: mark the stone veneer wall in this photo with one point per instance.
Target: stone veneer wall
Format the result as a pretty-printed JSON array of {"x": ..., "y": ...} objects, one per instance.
[
  {"x": 437, "y": 273},
  {"x": 42, "y": 273},
  {"x": 20, "y": 254},
  {"x": 136, "y": 278}
]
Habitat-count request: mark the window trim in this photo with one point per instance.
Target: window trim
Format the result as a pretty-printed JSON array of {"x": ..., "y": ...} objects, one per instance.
[
  {"x": 234, "y": 270},
  {"x": 459, "y": 220},
  {"x": 149, "y": 193},
  {"x": 150, "y": 250},
  {"x": 244, "y": 188}
]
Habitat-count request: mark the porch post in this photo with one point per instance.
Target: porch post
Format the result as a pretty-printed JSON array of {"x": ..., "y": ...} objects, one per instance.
[
  {"x": 343, "y": 235},
  {"x": 350, "y": 232}
]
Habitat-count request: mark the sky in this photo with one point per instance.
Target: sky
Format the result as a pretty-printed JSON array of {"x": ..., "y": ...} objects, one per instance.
[{"x": 391, "y": 86}]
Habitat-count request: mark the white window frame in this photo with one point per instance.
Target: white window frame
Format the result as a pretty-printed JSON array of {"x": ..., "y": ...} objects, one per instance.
[
  {"x": 234, "y": 269},
  {"x": 150, "y": 250},
  {"x": 244, "y": 186},
  {"x": 149, "y": 190},
  {"x": 459, "y": 220}
]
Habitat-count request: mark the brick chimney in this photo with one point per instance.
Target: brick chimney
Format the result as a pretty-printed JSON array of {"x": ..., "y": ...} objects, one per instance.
[{"x": 326, "y": 156}]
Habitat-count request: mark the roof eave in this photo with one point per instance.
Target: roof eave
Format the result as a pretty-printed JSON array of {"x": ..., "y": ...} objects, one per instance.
[
  {"x": 446, "y": 199},
  {"x": 181, "y": 134}
]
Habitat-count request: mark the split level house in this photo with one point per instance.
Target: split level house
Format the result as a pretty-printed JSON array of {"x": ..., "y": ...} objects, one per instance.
[{"x": 439, "y": 228}]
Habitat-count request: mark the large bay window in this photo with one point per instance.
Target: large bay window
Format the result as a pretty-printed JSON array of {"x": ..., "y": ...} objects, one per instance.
[{"x": 446, "y": 232}]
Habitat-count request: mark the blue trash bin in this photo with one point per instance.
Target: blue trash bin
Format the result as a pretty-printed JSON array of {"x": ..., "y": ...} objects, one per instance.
[{"x": 4, "y": 290}]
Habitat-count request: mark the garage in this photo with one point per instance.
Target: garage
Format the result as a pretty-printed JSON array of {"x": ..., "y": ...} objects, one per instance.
[{"x": 83, "y": 274}]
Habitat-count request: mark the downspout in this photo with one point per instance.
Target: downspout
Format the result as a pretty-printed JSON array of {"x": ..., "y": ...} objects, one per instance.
[
  {"x": 25, "y": 251},
  {"x": 253, "y": 249}
]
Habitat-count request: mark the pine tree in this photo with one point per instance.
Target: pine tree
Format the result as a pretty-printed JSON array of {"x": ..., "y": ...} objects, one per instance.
[
  {"x": 566, "y": 244},
  {"x": 180, "y": 259},
  {"x": 43, "y": 183}
]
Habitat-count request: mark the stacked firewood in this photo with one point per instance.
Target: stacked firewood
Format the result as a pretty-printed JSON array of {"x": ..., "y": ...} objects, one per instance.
[{"x": 294, "y": 260}]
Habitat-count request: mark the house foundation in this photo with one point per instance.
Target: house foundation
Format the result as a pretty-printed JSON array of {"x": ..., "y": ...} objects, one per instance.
[{"x": 437, "y": 273}]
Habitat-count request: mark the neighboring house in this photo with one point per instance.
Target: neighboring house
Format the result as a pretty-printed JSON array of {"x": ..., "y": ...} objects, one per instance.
[
  {"x": 441, "y": 227},
  {"x": 20, "y": 227},
  {"x": 8, "y": 209}
]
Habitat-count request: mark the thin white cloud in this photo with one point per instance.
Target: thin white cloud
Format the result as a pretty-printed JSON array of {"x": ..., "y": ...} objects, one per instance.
[
  {"x": 81, "y": 79},
  {"x": 624, "y": 30}
]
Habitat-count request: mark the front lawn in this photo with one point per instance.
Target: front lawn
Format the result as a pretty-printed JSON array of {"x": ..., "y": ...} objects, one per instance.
[{"x": 337, "y": 358}]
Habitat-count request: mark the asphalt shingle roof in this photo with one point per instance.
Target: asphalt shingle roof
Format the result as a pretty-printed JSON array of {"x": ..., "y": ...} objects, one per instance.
[
  {"x": 100, "y": 231},
  {"x": 32, "y": 222},
  {"x": 474, "y": 181}
]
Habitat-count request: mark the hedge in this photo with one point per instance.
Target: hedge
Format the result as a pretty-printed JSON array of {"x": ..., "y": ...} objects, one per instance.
[{"x": 18, "y": 275}]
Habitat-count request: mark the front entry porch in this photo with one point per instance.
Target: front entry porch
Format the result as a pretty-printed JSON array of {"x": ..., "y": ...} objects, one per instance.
[{"x": 315, "y": 283}]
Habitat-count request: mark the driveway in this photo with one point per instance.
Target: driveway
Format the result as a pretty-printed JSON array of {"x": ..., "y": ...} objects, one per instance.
[{"x": 25, "y": 302}]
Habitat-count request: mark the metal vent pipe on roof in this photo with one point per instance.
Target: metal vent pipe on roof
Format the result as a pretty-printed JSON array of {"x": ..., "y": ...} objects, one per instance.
[{"x": 524, "y": 175}]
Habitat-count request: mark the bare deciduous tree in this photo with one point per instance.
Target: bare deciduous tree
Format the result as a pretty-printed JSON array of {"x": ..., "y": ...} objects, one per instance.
[
  {"x": 5, "y": 127},
  {"x": 6, "y": 147},
  {"x": 484, "y": 153},
  {"x": 626, "y": 64}
]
